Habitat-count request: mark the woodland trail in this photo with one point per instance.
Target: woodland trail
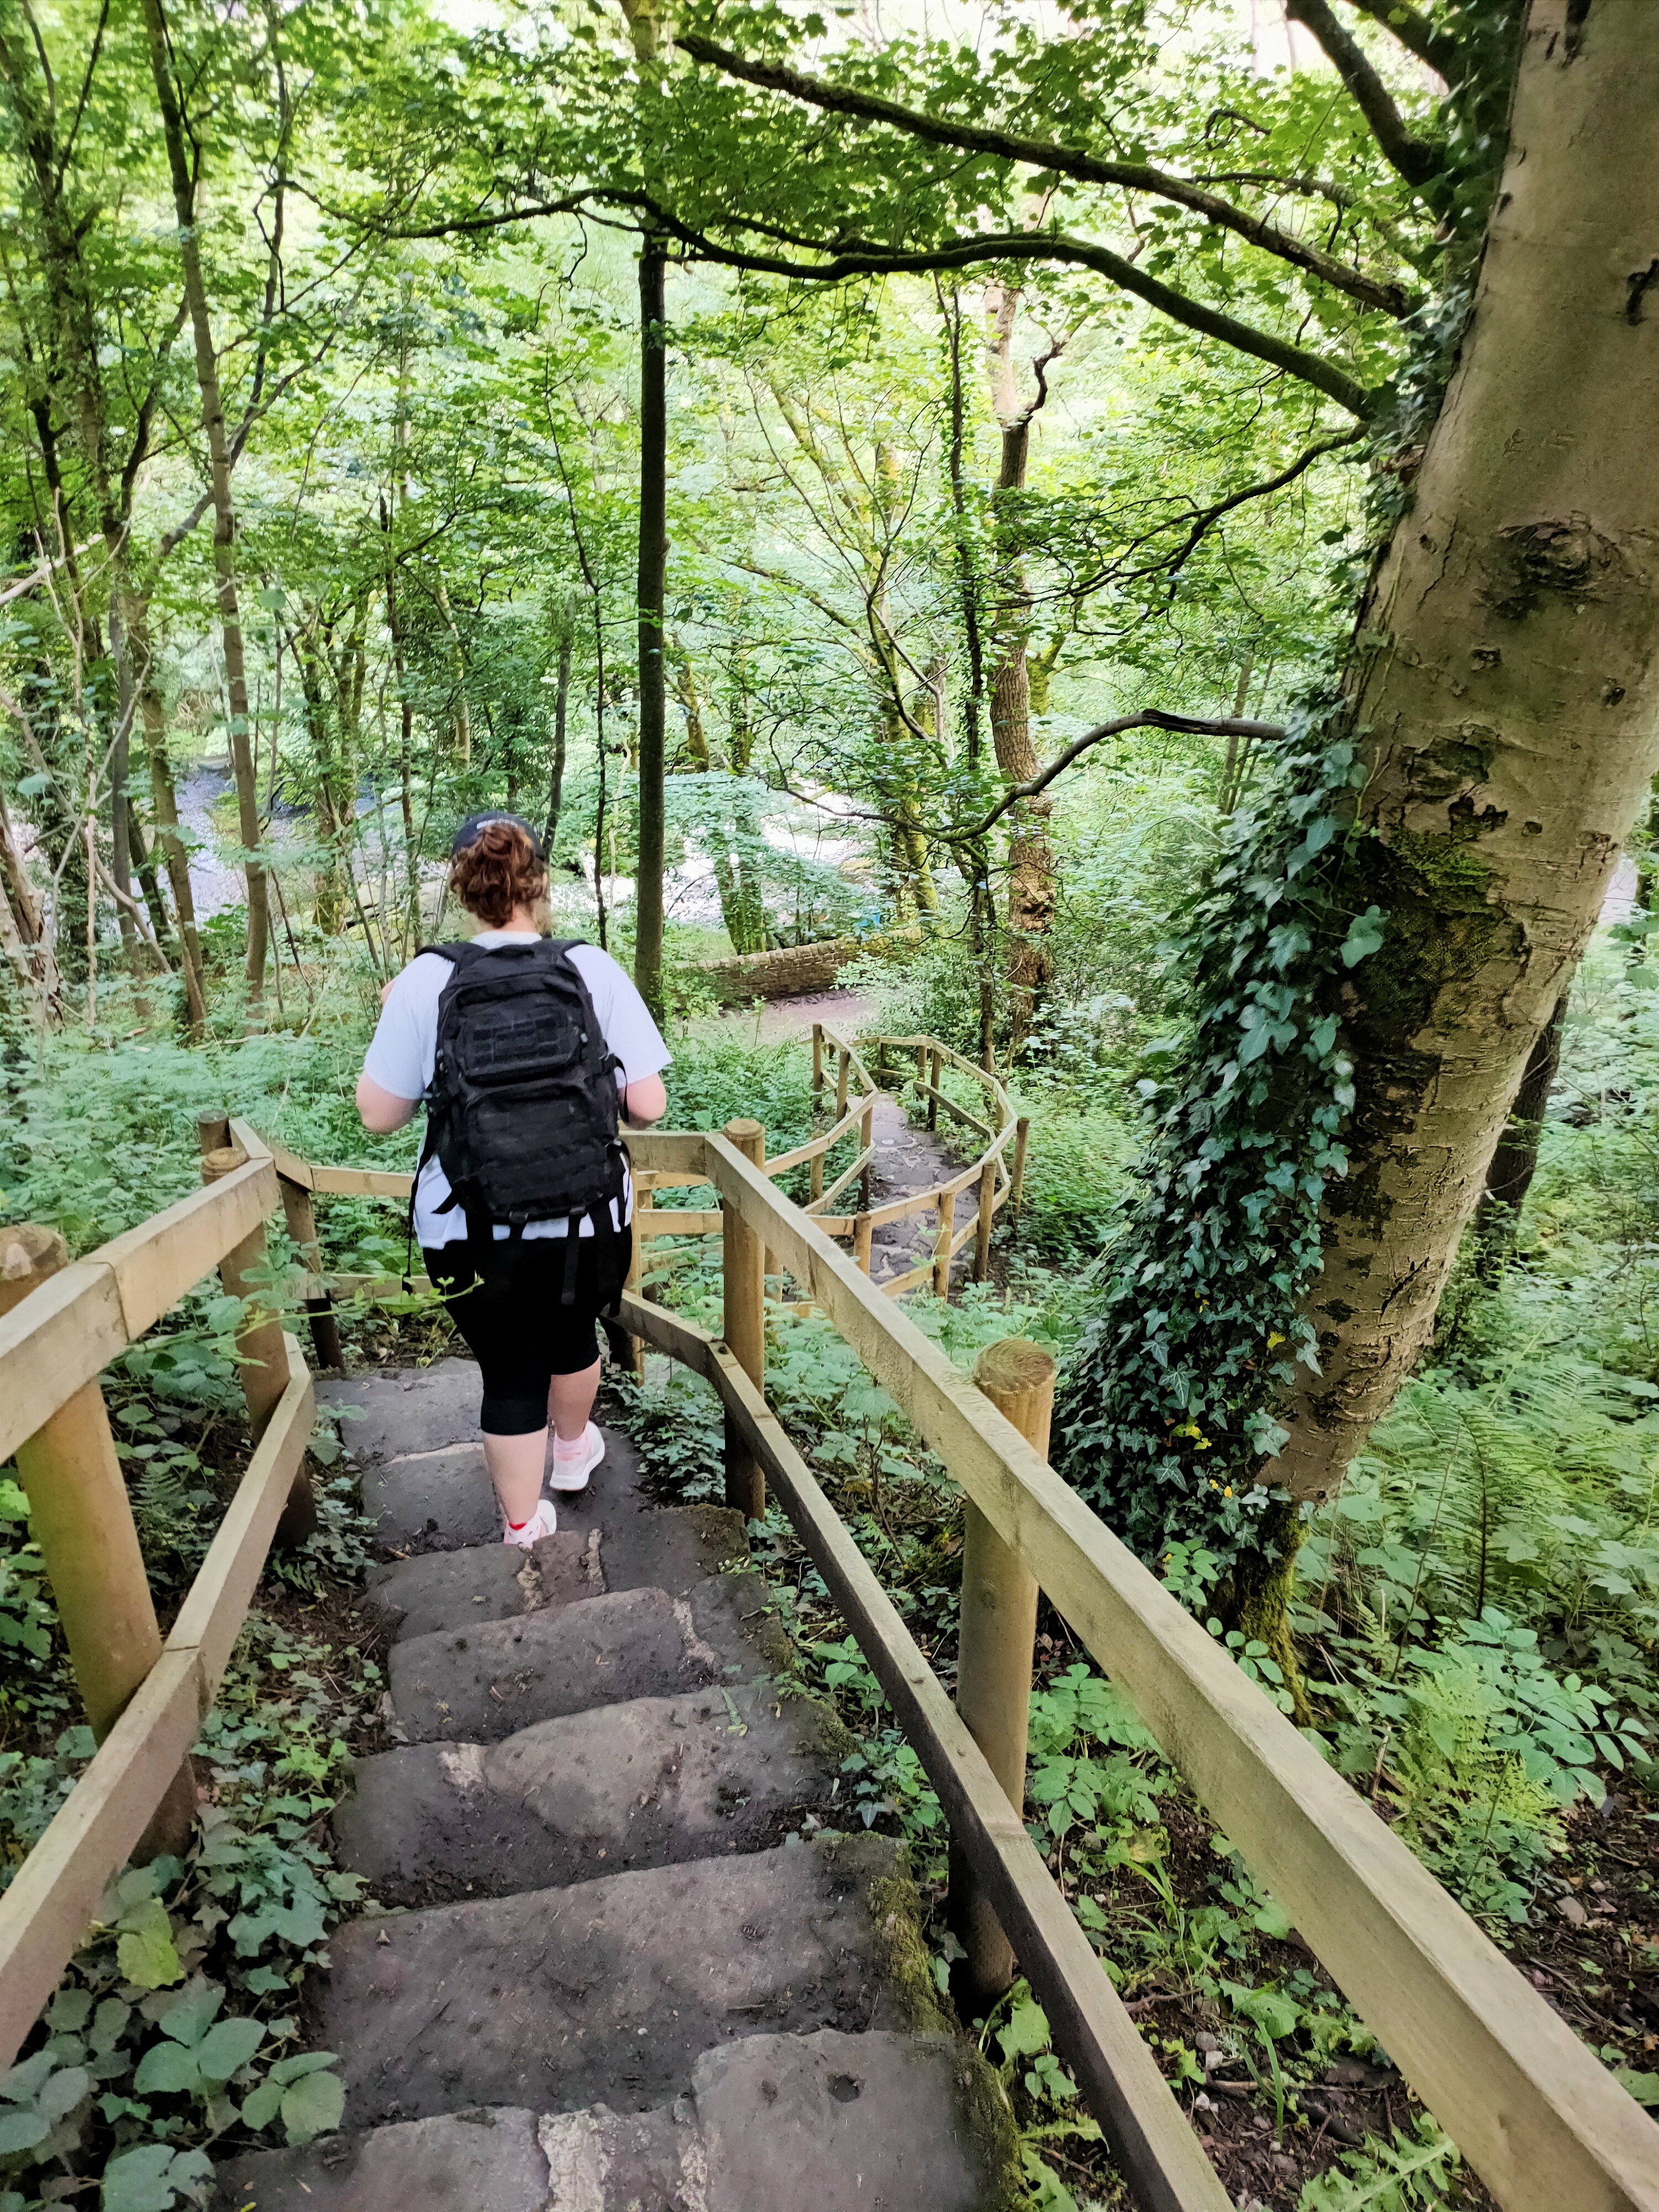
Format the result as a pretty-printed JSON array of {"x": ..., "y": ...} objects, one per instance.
[
  {"x": 624, "y": 1969},
  {"x": 909, "y": 1159}
]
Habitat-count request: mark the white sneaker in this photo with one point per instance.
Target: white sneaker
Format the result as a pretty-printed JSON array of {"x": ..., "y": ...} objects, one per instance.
[
  {"x": 542, "y": 1522},
  {"x": 571, "y": 1472}
]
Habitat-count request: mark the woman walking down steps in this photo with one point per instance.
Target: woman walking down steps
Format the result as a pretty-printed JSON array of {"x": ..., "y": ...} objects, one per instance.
[
  {"x": 522, "y": 1202},
  {"x": 622, "y": 1958}
]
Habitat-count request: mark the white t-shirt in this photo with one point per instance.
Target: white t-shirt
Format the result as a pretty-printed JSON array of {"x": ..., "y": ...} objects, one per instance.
[{"x": 405, "y": 1043}]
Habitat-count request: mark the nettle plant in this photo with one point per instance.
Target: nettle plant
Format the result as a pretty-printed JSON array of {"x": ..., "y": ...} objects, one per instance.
[{"x": 1167, "y": 1409}]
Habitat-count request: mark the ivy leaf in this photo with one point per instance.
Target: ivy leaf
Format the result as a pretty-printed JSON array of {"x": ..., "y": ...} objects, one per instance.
[
  {"x": 312, "y": 2106},
  {"x": 1644, "y": 2087},
  {"x": 1365, "y": 933}
]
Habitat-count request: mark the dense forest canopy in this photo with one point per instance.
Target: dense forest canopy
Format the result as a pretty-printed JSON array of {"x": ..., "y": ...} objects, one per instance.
[{"x": 1133, "y": 518}]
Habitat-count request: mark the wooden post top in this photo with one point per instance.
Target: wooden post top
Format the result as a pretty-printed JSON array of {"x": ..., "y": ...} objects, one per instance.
[
  {"x": 223, "y": 1160},
  {"x": 29, "y": 1254},
  {"x": 749, "y": 1138},
  {"x": 212, "y": 1130},
  {"x": 1017, "y": 1376}
]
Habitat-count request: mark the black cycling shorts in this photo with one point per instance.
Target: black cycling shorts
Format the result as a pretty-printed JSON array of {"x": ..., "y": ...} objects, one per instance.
[{"x": 511, "y": 1313}]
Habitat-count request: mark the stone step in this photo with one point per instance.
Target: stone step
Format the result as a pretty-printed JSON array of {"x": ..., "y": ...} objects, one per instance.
[
  {"x": 610, "y": 1990},
  {"x": 648, "y": 1783},
  {"x": 819, "y": 2123},
  {"x": 482, "y": 1683},
  {"x": 487, "y": 1582},
  {"x": 671, "y": 1548}
]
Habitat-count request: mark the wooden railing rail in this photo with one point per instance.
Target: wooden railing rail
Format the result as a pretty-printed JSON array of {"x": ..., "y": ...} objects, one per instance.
[
  {"x": 1541, "y": 2120},
  {"x": 145, "y": 1697}
]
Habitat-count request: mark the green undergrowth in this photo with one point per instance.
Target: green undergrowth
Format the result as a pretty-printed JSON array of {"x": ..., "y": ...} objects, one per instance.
[{"x": 176, "y": 2032}]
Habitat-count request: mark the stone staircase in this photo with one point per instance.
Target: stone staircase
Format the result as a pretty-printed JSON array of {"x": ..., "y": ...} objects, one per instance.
[{"x": 623, "y": 1972}]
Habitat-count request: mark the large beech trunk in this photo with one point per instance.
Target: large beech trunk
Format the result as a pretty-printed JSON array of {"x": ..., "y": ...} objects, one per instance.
[{"x": 1506, "y": 673}]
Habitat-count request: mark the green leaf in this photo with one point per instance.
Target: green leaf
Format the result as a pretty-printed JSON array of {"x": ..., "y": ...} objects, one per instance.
[
  {"x": 1273, "y": 1920},
  {"x": 64, "y": 2092},
  {"x": 1365, "y": 933},
  {"x": 1027, "y": 2032},
  {"x": 192, "y": 2012},
  {"x": 301, "y": 2062},
  {"x": 226, "y": 2049},
  {"x": 312, "y": 2107},
  {"x": 1644, "y": 2087},
  {"x": 260, "y": 2106},
  {"x": 144, "y": 1951},
  {"x": 24, "y": 2083},
  {"x": 69, "y": 2011},
  {"x": 152, "y": 2179},
  {"x": 22, "y": 2131},
  {"x": 166, "y": 2069}
]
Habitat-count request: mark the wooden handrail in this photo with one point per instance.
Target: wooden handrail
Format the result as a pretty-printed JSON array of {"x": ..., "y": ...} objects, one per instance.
[
  {"x": 1540, "y": 2118},
  {"x": 44, "y": 1913}
]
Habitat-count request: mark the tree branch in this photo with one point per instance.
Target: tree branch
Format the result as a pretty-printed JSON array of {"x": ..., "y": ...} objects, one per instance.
[
  {"x": 1419, "y": 164},
  {"x": 1205, "y": 520},
  {"x": 1418, "y": 35},
  {"x": 1046, "y": 246},
  {"x": 1150, "y": 718},
  {"x": 1063, "y": 161}
]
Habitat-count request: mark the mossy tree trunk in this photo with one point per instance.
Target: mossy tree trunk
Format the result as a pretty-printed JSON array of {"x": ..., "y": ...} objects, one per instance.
[{"x": 1505, "y": 681}]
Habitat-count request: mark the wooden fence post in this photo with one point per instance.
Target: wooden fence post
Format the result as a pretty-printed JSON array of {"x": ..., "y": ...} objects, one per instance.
[
  {"x": 987, "y": 1191},
  {"x": 863, "y": 1239},
  {"x": 642, "y": 1205},
  {"x": 745, "y": 1325},
  {"x": 82, "y": 1518},
  {"x": 935, "y": 1078},
  {"x": 995, "y": 1654},
  {"x": 261, "y": 1354},
  {"x": 947, "y": 1228},
  {"x": 817, "y": 1064},
  {"x": 301, "y": 1218},
  {"x": 841, "y": 1085},
  {"x": 1016, "y": 1180},
  {"x": 867, "y": 1135}
]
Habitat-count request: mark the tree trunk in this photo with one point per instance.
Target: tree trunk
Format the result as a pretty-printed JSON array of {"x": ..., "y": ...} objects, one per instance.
[
  {"x": 561, "y": 725},
  {"x": 651, "y": 594},
  {"x": 1514, "y": 1162},
  {"x": 1031, "y": 854},
  {"x": 224, "y": 512},
  {"x": 1507, "y": 670},
  {"x": 164, "y": 807}
]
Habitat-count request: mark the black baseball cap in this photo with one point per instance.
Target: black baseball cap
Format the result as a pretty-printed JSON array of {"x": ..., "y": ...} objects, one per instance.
[{"x": 475, "y": 824}]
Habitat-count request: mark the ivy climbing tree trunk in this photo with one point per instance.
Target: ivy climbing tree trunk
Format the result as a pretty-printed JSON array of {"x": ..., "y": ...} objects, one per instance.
[
  {"x": 1506, "y": 675},
  {"x": 183, "y": 179},
  {"x": 653, "y": 593}
]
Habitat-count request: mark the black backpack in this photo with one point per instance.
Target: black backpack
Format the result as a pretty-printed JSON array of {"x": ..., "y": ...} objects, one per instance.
[{"x": 521, "y": 1110}]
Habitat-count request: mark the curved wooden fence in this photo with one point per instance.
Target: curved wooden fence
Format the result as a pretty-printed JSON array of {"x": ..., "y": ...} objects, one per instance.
[
  {"x": 995, "y": 1175},
  {"x": 1544, "y": 2124}
]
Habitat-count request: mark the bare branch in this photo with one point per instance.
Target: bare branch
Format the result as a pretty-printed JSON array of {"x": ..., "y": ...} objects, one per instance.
[
  {"x": 1418, "y": 164},
  {"x": 1149, "y": 717},
  {"x": 1063, "y": 160}
]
